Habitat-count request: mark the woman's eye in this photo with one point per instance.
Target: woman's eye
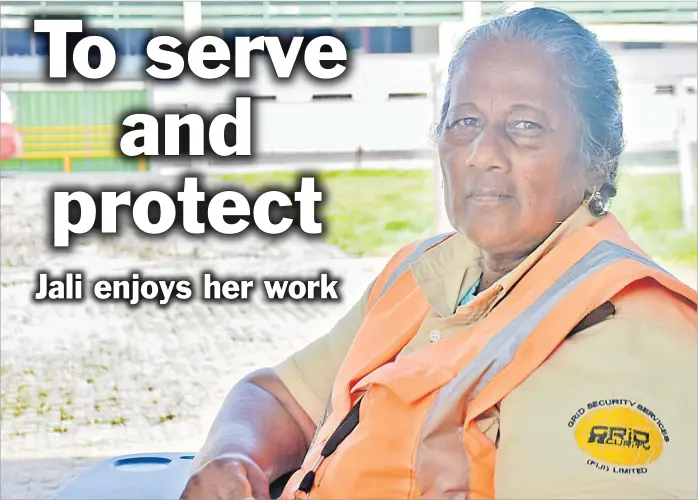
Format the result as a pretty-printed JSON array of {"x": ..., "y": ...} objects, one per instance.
[
  {"x": 464, "y": 122},
  {"x": 526, "y": 125}
]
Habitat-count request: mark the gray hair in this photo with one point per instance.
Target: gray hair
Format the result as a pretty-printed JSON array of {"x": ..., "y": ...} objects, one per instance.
[{"x": 587, "y": 72}]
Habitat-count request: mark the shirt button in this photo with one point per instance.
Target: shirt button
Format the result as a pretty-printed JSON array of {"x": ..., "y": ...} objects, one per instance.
[{"x": 434, "y": 335}]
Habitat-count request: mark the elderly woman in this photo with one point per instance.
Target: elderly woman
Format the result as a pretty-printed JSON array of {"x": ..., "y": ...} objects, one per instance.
[{"x": 534, "y": 353}]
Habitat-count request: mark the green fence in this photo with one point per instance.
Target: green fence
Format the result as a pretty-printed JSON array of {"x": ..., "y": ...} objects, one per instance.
[{"x": 74, "y": 130}]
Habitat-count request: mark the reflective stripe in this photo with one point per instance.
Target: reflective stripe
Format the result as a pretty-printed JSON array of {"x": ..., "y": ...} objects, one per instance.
[
  {"x": 441, "y": 433},
  {"x": 412, "y": 257},
  {"x": 632, "y": 255}
]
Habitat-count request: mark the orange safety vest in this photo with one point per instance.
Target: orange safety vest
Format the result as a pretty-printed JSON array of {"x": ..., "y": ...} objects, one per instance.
[{"x": 405, "y": 428}]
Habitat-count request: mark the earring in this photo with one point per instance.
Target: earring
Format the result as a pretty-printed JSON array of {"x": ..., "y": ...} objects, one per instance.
[
  {"x": 586, "y": 201},
  {"x": 595, "y": 203}
]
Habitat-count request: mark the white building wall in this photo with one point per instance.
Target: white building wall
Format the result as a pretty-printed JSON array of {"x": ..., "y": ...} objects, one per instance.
[
  {"x": 425, "y": 39},
  {"x": 384, "y": 103}
]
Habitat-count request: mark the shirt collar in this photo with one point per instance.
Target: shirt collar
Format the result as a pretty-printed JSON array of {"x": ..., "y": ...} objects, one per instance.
[{"x": 447, "y": 270}]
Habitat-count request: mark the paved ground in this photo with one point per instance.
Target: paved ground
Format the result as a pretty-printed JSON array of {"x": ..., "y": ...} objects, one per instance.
[{"x": 83, "y": 381}]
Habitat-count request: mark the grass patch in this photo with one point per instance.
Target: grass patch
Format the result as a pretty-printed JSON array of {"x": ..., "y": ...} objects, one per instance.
[
  {"x": 650, "y": 209},
  {"x": 367, "y": 212},
  {"x": 371, "y": 213}
]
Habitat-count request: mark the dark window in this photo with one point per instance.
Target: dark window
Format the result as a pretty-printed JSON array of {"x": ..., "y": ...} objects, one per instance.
[
  {"x": 643, "y": 45},
  {"x": 390, "y": 40},
  {"x": 352, "y": 38},
  {"x": 230, "y": 33},
  {"x": 127, "y": 41},
  {"x": 110, "y": 34},
  {"x": 16, "y": 42},
  {"x": 316, "y": 32},
  {"x": 41, "y": 43},
  {"x": 136, "y": 40},
  {"x": 285, "y": 35}
]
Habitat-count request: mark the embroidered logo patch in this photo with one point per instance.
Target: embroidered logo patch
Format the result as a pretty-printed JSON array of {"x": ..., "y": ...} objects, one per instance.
[{"x": 620, "y": 435}]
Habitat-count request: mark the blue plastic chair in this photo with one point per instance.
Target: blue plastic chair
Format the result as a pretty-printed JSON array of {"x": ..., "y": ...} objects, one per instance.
[
  {"x": 146, "y": 476},
  {"x": 143, "y": 476}
]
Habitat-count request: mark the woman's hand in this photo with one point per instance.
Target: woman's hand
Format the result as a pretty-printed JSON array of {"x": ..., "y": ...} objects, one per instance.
[{"x": 229, "y": 477}]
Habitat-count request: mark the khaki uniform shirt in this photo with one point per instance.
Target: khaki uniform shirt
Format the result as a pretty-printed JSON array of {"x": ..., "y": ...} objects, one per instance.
[{"x": 634, "y": 375}]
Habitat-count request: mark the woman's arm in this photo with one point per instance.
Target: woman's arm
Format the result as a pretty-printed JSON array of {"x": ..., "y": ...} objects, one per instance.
[
  {"x": 260, "y": 419},
  {"x": 259, "y": 434},
  {"x": 630, "y": 382},
  {"x": 267, "y": 421}
]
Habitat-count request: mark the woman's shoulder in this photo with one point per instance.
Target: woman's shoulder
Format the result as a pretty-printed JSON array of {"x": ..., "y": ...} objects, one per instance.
[
  {"x": 645, "y": 351},
  {"x": 651, "y": 337},
  {"x": 634, "y": 370},
  {"x": 648, "y": 305}
]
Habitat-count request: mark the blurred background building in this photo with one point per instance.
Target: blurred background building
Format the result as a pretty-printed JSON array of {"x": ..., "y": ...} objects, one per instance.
[{"x": 384, "y": 105}]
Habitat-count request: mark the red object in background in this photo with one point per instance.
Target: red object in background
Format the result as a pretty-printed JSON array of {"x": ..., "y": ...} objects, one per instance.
[
  {"x": 10, "y": 141},
  {"x": 10, "y": 138}
]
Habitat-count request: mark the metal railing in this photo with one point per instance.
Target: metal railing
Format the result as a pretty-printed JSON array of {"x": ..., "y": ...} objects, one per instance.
[
  {"x": 71, "y": 142},
  {"x": 288, "y": 13}
]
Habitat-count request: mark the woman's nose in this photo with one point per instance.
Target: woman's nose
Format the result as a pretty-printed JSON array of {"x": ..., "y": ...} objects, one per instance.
[{"x": 488, "y": 151}]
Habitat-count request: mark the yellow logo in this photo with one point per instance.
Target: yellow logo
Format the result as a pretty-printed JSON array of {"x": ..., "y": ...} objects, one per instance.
[{"x": 619, "y": 433}]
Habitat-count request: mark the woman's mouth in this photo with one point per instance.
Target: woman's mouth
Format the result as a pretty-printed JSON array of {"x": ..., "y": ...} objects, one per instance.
[{"x": 488, "y": 196}]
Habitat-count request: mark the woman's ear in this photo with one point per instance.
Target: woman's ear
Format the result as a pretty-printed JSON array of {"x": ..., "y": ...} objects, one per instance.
[
  {"x": 595, "y": 195},
  {"x": 595, "y": 178}
]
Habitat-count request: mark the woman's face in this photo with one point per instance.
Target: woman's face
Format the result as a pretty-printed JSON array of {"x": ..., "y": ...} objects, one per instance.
[{"x": 508, "y": 149}]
